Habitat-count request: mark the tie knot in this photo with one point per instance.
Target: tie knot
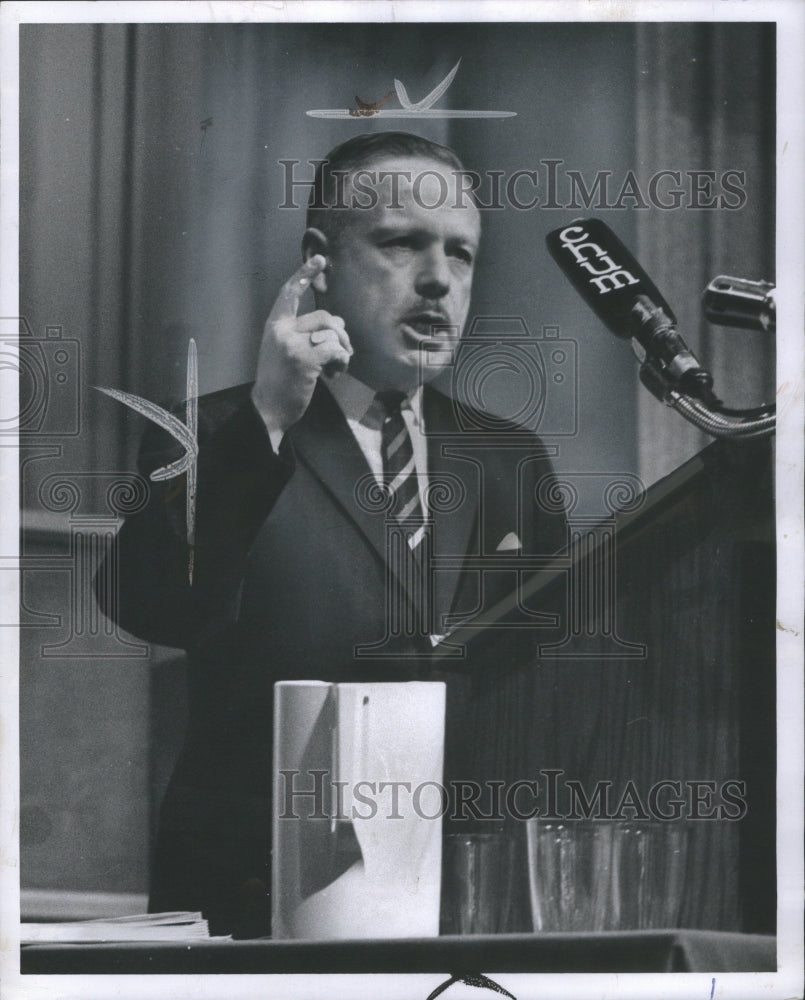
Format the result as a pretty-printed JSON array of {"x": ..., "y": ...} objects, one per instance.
[{"x": 391, "y": 400}]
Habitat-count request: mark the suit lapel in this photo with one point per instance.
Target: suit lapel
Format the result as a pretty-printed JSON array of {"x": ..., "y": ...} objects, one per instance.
[
  {"x": 452, "y": 523},
  {"x": 325, "y": 444}
]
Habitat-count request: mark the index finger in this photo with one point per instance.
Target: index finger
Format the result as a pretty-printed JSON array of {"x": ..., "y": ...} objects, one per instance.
[{"x": 287, "y": 303}]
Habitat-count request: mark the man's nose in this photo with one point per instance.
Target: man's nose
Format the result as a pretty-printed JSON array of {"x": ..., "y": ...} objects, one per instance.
[{"x": 433, "y": 277}]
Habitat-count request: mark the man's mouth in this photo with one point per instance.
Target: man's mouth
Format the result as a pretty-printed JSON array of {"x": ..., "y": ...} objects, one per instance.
[{"x": 430, "y": 325}]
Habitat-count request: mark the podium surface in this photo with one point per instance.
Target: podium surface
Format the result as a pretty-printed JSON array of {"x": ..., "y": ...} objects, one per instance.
[{"x": 637, "y": 951}]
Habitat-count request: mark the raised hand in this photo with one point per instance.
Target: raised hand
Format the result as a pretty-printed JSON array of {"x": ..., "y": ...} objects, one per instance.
[{"x": 294, "y": 351}]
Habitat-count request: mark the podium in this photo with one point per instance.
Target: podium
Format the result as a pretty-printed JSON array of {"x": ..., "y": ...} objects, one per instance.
[{"x": 661, "y": 672}]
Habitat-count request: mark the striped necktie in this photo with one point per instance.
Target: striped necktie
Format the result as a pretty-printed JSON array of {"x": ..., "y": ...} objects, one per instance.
[{"x": 399, "y": 471}]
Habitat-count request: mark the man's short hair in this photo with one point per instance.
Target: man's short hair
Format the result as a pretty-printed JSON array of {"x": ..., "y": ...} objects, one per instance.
[{"x": 350, "y": 156}]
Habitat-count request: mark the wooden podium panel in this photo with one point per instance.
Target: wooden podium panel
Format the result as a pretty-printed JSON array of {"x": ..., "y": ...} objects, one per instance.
[{"x": 691, "y": 578}]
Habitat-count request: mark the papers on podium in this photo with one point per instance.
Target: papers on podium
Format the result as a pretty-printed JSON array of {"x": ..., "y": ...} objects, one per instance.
[{"x": 146, "y": 927}]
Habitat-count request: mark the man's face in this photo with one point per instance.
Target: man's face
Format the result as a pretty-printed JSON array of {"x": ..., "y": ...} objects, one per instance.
[{"x": 401, "y": 272}]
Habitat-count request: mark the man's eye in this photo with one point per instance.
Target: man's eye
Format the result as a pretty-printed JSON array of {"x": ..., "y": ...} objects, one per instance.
[
  {"x": 465, "y": 256},
  {"x": 404, "y": 242}
]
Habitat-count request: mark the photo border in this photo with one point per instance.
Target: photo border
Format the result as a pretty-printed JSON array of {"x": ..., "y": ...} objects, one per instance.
[{"x": 790, "y": 18}]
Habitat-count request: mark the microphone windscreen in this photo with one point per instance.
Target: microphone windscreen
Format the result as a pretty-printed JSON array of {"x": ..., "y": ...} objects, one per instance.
[{"x": 604, "y": 272}]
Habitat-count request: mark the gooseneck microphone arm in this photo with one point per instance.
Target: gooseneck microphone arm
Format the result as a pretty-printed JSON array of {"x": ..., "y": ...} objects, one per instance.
[
  {"x": 715, "y": 421},
  {"x": 625, "y": 299}
]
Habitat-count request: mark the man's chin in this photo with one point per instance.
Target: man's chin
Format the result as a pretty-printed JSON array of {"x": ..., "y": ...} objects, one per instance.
[
  {"x": 404, "y": 369},
  {"x": 427, "y": 337},
  {"x": 430, "y": 359}
]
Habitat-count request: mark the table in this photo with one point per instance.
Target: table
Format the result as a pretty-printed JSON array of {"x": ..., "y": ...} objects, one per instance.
[{"x": 632, "y": 951}]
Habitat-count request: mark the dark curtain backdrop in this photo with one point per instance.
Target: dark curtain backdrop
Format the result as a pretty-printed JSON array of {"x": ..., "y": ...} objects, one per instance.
[
  {"x": 705, "y": 101},
  {"x": 149, "y": 198}
]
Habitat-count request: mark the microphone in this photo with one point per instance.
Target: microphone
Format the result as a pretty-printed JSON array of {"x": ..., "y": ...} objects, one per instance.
[
  {"x": 626, "y": 300},
  {"x": 738, "y": 302}
]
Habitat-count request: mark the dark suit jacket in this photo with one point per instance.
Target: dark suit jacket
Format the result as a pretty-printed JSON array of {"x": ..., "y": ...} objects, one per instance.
[{"x": 291, "y": 576}]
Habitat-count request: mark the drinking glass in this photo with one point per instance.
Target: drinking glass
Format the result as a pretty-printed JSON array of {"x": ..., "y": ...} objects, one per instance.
[{"x": 477, "y": 871}]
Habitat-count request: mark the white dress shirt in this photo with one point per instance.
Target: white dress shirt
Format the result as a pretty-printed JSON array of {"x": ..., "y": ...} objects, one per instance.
[{"x": 364, "y": 415}]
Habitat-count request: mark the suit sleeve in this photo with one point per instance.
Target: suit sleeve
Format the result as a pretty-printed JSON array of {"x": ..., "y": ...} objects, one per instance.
[{"x": 239, "y": 478}]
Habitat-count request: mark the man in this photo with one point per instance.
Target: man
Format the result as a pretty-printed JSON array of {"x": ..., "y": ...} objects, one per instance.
[{"x": 304, "y": 480}]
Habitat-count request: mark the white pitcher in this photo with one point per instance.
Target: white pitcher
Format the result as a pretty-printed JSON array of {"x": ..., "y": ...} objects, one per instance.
[{"x": 357, "y": 814}]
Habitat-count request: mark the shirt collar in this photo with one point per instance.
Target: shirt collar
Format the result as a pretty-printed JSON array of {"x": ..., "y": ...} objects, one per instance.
[{"x": 357, "y": 400}]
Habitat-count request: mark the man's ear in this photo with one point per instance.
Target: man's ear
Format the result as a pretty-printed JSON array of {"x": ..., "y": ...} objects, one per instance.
[{"x": 314, "y": 241}]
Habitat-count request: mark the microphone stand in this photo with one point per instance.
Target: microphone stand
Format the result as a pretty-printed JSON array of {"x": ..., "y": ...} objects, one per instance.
[{"x": 735, "y": 302}]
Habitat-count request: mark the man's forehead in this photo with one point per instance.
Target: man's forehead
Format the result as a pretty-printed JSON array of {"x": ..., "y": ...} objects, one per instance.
[
  {"x": 394, "y": 190},
  {"x": 412, "y": 166}
]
